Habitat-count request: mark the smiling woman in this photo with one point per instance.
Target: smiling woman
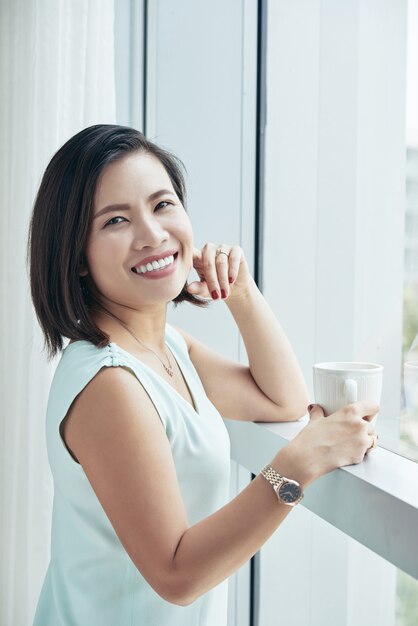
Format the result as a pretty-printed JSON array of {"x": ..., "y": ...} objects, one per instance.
[
  {"x": 64, "y": 215},
  {"x": 142, "y": 530},
  {"x": 153, "y": 226}
]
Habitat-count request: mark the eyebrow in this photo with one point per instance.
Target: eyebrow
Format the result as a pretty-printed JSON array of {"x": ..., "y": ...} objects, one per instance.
[{"x": 126, "y": 207}]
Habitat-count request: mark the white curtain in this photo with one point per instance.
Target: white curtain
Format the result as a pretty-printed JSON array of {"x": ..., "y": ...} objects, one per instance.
[{"x": 56, "y": 77}]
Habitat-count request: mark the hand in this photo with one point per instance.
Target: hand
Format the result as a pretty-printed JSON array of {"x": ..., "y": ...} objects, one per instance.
[
  {"x": 342, "y": 438},
  {"x": 223, "y": 272}
]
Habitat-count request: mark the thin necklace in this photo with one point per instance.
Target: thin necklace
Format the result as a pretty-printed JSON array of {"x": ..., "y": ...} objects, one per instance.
[{"x": 168, "y": 368}]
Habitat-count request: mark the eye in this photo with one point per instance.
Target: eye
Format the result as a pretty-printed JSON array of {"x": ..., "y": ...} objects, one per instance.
[
  {"x": 112, "y": 221},
  {"x": 163, "y": 204}
]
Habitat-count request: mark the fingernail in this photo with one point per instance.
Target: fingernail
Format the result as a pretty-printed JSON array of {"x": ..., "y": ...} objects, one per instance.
[
  {"x": 223, "y": 293},
  {"x": 310, "y": 407},
  {"x": 231, "y": 280},
  {"x": 215, "y": 294}
]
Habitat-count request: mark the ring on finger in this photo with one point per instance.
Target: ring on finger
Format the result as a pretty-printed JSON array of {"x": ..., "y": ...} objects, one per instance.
[
  {"x": 374, "y": 442},
  {"x": 219, "y": 251}
]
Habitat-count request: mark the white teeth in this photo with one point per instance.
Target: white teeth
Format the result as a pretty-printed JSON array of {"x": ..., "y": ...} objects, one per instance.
[{"x": 155, "y": 265}]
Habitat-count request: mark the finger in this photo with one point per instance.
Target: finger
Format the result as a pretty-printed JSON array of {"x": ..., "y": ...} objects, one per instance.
[
  {"x": 370, "y": 429},
  {"x": 315, "y": 411},
  {"x": 208, "y": 270},
  {"x": 359, "y": 410},
  {"x": 198, "y": 288},
  {"x": 235, "y": 258},
  {"x": 197, "y": 258},
  {"x": 373, "y": 442},
  {"x": 367, "y": 410},
  {"x": 222, "y": 268}
]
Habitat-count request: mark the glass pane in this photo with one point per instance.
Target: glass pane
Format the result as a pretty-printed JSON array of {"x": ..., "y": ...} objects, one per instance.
[
  {"x": 406, "y": 600},
  {"x": 311, "y": 573},
  {"x": 409, "y": 411},
  {"x": 340, "y": 256}
]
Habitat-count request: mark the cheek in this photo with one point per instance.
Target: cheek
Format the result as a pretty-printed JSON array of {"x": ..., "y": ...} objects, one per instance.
[
  {"x": 103, "y": 250},
  {"x": 188, "y": 247},
  {"x": 186, "y": 235},
  {"x": 100, "y": 262}
]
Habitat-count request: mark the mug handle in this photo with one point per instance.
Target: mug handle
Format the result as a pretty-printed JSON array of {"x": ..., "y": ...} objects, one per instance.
[{"x": 350, "y": 390}]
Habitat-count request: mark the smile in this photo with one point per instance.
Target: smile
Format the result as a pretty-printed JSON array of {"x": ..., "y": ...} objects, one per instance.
[{"x": 155, "y": 266}]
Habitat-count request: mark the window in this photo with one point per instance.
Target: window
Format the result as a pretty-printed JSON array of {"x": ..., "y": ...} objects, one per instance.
[
  {"x": 409, "y": 403},
  {"x": 333, "y": 245},
  {"x": 341, "y": 264},
  {"x": 341, "y": 191}
]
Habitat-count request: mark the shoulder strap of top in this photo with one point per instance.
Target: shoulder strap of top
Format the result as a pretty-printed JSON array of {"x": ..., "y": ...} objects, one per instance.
[{"x": 79, "y": 363}]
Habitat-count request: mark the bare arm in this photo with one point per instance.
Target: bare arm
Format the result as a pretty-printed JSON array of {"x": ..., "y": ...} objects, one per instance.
[
  {"x": 272, "y": 388},
  {"x": 115, "y": 433}
]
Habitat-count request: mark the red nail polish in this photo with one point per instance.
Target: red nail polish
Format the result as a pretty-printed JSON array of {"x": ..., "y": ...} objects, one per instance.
[
  {"x": 215, "y": 294},
  {"x": 231, "y": 280},
  {"x": 223, "y": 293}
]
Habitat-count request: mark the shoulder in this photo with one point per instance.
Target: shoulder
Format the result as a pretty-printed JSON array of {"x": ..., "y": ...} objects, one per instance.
[
  {"x": 95, "y": 367},
  {"x": 85, "y": 352},
  {"x": 110, "y": 389},
  {"x": 110, "y": 403},
  {"x": 80, "y": 364}
]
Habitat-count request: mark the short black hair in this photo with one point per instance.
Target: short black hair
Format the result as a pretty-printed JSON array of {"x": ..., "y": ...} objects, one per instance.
[{"x": 60, "y": 224}]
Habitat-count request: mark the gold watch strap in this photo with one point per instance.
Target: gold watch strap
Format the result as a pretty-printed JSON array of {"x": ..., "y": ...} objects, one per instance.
[{"x": 272, "y": 476}]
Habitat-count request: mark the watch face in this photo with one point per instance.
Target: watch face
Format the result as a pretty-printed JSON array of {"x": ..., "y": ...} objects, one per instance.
[{"x": 289, "y": 491}]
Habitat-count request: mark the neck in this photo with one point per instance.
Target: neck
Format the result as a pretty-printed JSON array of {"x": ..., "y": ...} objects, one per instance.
[
  {"x": 147, "y": 326},
  {"x": 115, "y": 319}
]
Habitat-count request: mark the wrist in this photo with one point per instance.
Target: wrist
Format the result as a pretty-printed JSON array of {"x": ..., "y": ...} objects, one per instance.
[
  {"x": 242, "y": 294},
  {"x": 295, "y": 464}
]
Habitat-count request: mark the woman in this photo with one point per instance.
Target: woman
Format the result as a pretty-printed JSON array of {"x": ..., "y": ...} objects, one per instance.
[{"x": 142, "y": 530}]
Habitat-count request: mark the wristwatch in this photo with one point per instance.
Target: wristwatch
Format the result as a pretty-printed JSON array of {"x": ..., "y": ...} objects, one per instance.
[{"x": 287, "y": 491}]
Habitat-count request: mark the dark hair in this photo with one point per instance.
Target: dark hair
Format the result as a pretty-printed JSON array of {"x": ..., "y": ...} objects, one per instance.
[{"x": 60, "y": 224}]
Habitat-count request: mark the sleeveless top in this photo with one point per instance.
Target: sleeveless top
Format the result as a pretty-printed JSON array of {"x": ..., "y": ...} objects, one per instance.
[{"x": 90, "y": 580}]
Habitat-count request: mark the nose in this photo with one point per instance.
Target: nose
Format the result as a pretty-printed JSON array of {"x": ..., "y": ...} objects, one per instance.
[{"x": 148, "y": 232}]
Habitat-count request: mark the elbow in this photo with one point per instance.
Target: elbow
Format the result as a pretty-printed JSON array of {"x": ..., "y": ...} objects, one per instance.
[
  {"x": 296, "y": 408},
  {"x": 184, "y": 600},
  {"x": 296, "y": 411},
  {"x": 178, "y": 589},
  {"x": 292, "y": 408},
  {"x": 291, "y": 412},
  {"x": 181, "y": 595},
  {"x": 293, "y": 415}
]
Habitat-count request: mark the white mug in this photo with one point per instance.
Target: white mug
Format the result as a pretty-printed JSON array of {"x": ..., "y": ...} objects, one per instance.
[
  {"x": 338, "y": 383},
  {"x": 410, "y": 378}
]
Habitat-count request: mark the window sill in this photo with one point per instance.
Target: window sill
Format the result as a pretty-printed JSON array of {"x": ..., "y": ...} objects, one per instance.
[{"x": 375, "y": 502}]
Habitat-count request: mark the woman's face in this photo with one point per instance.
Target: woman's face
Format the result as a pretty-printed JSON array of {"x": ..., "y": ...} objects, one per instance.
[{"x": 140, "y": 244}]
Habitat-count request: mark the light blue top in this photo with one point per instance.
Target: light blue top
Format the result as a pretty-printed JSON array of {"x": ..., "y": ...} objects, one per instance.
[{"x": 91, "y": 581}]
